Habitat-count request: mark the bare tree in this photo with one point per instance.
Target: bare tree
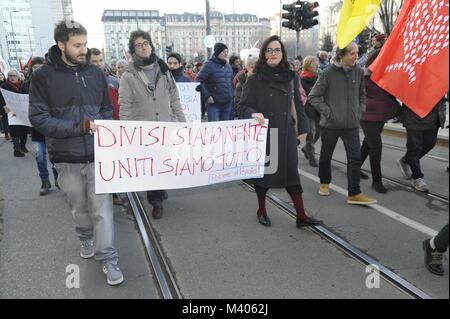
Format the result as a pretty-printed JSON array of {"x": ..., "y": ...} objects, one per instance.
[{"x": 388, "y": 13}]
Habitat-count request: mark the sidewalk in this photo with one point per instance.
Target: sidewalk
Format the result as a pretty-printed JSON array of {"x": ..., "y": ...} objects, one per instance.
[
  {"x": 398, "y": 129},
  {"x": 39, "y": 242}
]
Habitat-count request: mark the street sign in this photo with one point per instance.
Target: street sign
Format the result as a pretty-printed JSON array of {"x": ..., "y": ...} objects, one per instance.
[{"x": 209, "y": 41}]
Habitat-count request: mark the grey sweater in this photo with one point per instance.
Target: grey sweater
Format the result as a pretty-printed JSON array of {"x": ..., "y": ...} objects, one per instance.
[{"x": 340, "y": 97}]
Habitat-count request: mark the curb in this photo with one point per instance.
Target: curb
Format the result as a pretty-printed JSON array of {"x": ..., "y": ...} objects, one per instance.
[{"x": 442, "y": 140}]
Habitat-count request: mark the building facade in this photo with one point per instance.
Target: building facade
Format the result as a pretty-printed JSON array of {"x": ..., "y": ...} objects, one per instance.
[
  {"x": 118, "y": 25},
  {"x": 26, "y": 27},
  {"x": 184, "y": 33}
]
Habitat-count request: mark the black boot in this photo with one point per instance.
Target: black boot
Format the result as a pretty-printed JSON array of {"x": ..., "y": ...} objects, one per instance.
[
  {"x": 433, "y": 259},
  {"x": 157, "y": 212},
  {"x": 45, "y": 188},
  {"x": 262, "y": 213},
  {"x": 303, "y": 220},
  {"x": 313, "y": 162},
  {"x": 363, "y": 175},
  {"x": 17, "y": 148},
  {"x": 379, "y": 187}
]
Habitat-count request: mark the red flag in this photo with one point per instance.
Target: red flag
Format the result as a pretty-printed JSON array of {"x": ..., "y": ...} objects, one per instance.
[
  {"x": 413, "y": 64},
  {"x": 20, "y": 64},
  {"x": 29, "y": 61}
]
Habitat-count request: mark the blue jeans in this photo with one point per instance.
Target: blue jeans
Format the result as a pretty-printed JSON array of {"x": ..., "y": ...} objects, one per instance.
[
  {"x": 218, "y": 113},
  {"x": 41, "y": 160}
]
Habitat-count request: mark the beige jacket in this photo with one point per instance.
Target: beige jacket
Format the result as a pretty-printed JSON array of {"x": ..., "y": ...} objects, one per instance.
[{"x": 138, "y": 104}]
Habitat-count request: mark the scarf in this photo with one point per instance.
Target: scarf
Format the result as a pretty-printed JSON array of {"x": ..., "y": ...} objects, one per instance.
[
  {"x": 16, "y": 86},
  {"x": 307, "y": 74},
  {"x": 140, "y": 62},
  {"x": 276, "y": 74}
]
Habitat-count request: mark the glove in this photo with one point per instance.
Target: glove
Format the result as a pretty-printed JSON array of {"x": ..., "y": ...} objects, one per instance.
[{"x": 85, "y": 127}]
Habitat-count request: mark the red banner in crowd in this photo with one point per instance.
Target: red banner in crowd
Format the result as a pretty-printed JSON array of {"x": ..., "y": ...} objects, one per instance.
[{"x": 413, "y": 64}]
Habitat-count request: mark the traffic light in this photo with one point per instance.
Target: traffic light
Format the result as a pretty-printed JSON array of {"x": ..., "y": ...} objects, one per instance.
[
  {"x": 300, "y": 15},
  {"x": 309, "y": 14},
  {"x": 290, "y": 16},
  {"x": 168, "y": 50}
]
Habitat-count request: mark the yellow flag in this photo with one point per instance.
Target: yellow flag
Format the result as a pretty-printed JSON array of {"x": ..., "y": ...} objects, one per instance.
[{"x": 355, "y": 16}]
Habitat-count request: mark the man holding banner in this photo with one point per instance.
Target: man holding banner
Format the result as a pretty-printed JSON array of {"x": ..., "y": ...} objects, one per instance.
[
  {"x": 67, "y": 94},
  {"x": 148, "y": 92}
]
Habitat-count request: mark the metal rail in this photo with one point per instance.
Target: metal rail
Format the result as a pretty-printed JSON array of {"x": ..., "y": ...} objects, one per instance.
[
  {"x": 356, "y": 253},
  {"x": 165, "y": 281}
]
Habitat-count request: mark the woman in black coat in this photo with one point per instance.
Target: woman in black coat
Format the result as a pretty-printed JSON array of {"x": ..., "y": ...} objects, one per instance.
[
  {"x": 270, "y": 94},
  {"x": 19, "y": 133}
]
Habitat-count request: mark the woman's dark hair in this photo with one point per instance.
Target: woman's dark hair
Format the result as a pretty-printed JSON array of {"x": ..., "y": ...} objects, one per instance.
[
  {"x": 262, "y": 54},
  {"x": 139, "y": 34},
  {"x": 66, "y": 28},
  {"x": 371, "y": 58}
]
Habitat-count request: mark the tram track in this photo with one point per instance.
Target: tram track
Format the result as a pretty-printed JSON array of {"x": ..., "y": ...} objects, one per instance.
[
  {"x": 164, "y": 278},
  {"x": 440, "y": 197},
  {"x": 354, "y": 252},
  {"x": 167, "y": 284}
]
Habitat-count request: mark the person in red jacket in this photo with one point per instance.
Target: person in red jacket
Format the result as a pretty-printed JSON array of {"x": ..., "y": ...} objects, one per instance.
[
  {"x": 380, "y": 106},
  {"x": 113, "y": 90},
  {"x": 113, "y": 82}
]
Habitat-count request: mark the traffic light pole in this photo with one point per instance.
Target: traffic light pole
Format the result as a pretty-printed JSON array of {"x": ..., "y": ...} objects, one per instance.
[
  {"x": 208, "y": 27},
  {"x": 297, "y": 45}
]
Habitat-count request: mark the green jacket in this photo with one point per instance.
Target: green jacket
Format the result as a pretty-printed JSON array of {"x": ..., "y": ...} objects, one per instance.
[{"x": 339, "y": 96}]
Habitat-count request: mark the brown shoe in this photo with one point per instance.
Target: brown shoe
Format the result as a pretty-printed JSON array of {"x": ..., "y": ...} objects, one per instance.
[
  {"x": 157, "y": 212},
  {"x": 361, "y": 199}
]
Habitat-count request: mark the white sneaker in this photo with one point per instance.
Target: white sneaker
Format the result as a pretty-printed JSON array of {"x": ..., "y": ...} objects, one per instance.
[
  {"x": 420, "y": 185},
  {"x": 405, "y": 169}
]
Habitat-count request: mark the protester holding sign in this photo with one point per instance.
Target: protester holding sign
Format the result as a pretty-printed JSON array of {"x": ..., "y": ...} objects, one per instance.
[
  {"x": 39, "y": 139},
  {"x": 270, "y": 94},
  {"x": 148, "y": 92},
  {"x": 4, "y": 128},
  {"x": 19, "y": 133},
  {"x": 67, "y": 94}
]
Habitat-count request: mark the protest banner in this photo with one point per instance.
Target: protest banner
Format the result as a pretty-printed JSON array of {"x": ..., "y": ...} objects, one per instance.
[
  {"x": 132, "y": 156},
  {"x": 190, "y": 101},
  {"x": 18, "y": 104}
]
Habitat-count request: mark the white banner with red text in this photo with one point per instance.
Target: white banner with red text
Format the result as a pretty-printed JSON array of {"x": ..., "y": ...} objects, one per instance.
[{"x": 132, "y": 156}]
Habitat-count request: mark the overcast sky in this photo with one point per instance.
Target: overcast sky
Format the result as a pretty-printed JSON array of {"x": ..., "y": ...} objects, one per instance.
[{"x": 89, "y": 12}]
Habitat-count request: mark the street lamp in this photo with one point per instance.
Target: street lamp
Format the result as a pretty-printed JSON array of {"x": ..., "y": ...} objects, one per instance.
[
  {"x": 14, "y": 35},
  {"x": 29, "y": 38},
  {"x": 7, "y": 43},
  {"x": 40, "y": 44}
]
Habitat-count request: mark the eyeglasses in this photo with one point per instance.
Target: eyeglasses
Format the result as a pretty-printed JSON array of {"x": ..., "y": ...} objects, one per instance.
[
  {"x": 276, "y": 50},
  {"x": 142, "y": 45}
]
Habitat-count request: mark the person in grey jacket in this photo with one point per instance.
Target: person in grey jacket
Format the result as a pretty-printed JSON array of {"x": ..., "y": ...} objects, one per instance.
[
  {"x": 340, "y": 97},
  {"x": 66, "y": 95},
  {"x": 148, "y": 92}
]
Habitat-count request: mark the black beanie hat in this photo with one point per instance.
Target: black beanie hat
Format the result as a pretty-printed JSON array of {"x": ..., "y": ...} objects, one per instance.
[{"x": 219, "y": 48}]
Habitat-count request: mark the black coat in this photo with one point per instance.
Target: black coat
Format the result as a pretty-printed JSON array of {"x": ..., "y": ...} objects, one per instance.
[
  {"x": 308, "y": 84},
  {"x": 60, "y": 99},
  {"x": 434, "y": 120},
  {"x": 274, "y": 99},
  {"x": 15, "y": 130}
]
